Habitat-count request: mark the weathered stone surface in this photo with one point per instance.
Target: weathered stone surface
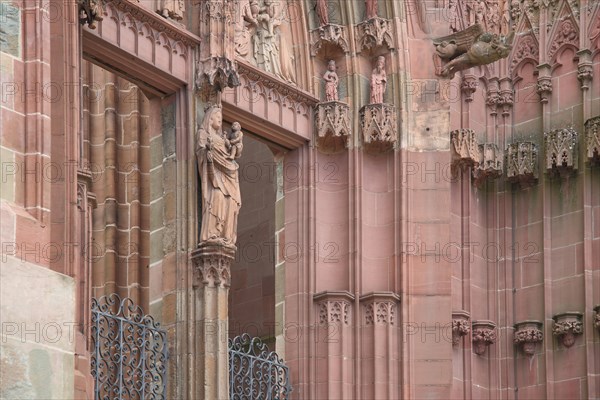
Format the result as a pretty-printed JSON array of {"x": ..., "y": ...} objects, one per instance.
[{"x": 10, "y": 29}]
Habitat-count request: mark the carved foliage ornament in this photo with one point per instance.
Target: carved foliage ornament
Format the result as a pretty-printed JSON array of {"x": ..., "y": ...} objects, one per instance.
[
  {"x": 90, "y": 11},
  {"x": 567, "y": 326},
  {"x": 378, "y": 123},
  {"x": 218, "y": 73},
  {"x": 561, "y": 151},
  {"x": 469, "y": 48},
  {"x": 373, "y": 33},
  {"x": 461, "y": 326},
  {"x": 332, "y": 34},
  {"x": 527, "y": 335},
  {"x": 592, "y": 139},
  {"x": 484, "y": 334}
]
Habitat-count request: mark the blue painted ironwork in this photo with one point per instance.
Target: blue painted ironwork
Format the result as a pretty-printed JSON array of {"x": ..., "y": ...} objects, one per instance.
[
  {"x": 129, "y": 358},
  {"x": 255, "y": 373}
]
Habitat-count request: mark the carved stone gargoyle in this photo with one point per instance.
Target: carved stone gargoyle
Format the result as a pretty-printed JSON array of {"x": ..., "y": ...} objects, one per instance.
[{"x": 468, "y": 48}]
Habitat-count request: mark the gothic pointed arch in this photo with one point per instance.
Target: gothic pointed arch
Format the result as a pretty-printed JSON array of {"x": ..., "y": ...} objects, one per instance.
[
  {"x": 526, "y": 47},
  {"x": 564, "y": 32}
]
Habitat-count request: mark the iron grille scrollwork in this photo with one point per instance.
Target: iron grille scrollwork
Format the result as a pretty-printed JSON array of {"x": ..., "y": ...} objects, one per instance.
[
  {"x": 255, "y": 373},
  {"x": 129, "y": 358}
]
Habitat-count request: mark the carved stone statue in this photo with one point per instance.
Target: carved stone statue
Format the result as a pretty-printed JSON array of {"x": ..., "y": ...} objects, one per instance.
[
  {"x": 221, "y": 200},
  {"x": 173, "y": 9},
  {"x": 378, "y": 81},
  {"x": 469, "y": 48},
  {"x": 246, "y": 24},
  {"x": 331, "y": 82},
  {"x": 322, "y": 12},
  {"x": 371, "y": 6},
  {"x": 90, "y": 11}
]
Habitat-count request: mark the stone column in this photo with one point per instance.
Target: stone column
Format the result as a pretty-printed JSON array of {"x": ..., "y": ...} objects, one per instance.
[{"x": 212, "y": 277}]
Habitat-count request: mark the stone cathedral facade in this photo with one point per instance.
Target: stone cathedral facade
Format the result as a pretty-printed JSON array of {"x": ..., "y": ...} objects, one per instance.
[{"x": 400, "y": 198}]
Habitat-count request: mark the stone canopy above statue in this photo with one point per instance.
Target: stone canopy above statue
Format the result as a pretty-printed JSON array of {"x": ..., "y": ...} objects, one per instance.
[{"x": 469, "y": 48}]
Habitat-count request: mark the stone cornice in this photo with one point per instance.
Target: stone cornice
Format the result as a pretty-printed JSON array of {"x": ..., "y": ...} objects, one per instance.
[
  {"x": 146, "y": 15},
  {"x": 283, "y": 88},
  {"x": 333, "y": 295}
]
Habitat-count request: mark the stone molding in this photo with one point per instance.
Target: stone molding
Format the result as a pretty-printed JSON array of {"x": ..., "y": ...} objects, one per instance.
[
  {"x": 465, "y": 149},
  {"x": 379, "y": 127},
  {"x": 334, "y": 307},
  {"x": 461, "y": 325},
  {"x": 597, "y": 317},
  {"x": 484, "y": 334},
  {"x": 374, "y": 32},
  {"x": 566, "y": 326},
  {"x": 333, "y": 126},
  {"x": 380, "y": 308},
  {"x": 522, "y": 163},
  {"x": 561, "y": 151},
  {"x": 212, "y": 265},
  {"x": 527, "y": 335},
  {"x": 330, "y": 34},
  {"x": 490, "y": 165},
  {"x": 592, "y": 139}
]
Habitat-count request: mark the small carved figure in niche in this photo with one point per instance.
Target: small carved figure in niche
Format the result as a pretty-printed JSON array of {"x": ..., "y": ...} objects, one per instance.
[
  {"x": 322, "y": 12},
  {"x": 220, "y": 188},
  {"x": 371, "y": 8},
  {"x": 331, "y": 82},
  {"x": 234, "y": 141},
  {"x": 378, "y": 81},
  {"x": 172, "y": 9}
]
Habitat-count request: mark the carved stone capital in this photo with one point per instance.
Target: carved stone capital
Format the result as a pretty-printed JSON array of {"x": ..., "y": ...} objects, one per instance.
[
  {"x": 566, "y": 326},
  {"x": 378, "y": 123},
  {"x": 334, "y": 307},
  {"x": 544, "y": 88},
  {"x": 333, "y": 126},
  {"x": 585, "y": 69},
  {"x": 561, "y": 151},
  {"x": 492, "y": 100},
  {"x": 491, "y": 164},
  {"x": 380, "y": 308},
  {"x": 592, "y": 139},
  {"x": 90, "y": 11},
  {"x": 465, "y": 149},
  {"x": 527, "y": 335},
  {"x": 212, "y": 264},
  {"x": 522, "y": 163},
  {"x": 461, "y": 326},
  {"x": 374, "y": 32},
  {"x": 597, "y": 317},
  {"x": 484, "y": 334},
  {"x": 217, "y": 73},
  {"x": 468, "y": 87},
  {"x": 330, "y": 34},
  {"x": 506, "y": 101}
]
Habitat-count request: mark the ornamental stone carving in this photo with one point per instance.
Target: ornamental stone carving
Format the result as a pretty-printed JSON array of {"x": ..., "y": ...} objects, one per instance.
[
  {"x": 172, "y": 9},
  {"x": 522, "y": 163},
  {"x": 379, "y": 127},
  {"x": 469, "y": 48},
  {"x": 561, "y": 151},
  {"x": 212, "y": 265},
  {"x": 585, "y": 69},
  {"x": 567, "y": 326},
  {"x": 491, "y": 164},
  {"x": 527, "y": 335},
  {"x": 566, "y": 33},
  {"x": 465, "y": 149},
  {"x": 484, "y": 334},
  {"x": 333, "y": 126},
  {"x": 329, "y": 35},
  {"x": 90, "y": 11},
  {"x": 461, "y": 326},
  {"x": 218, "y": 73},
  {"x": 526, "y": 47},
  {"x": 374, "y": 32},
  {"x": 544, "y": 88},
  {"x": 592, "y": 139},
  {"x": 380, "y": 308},
  {"x": 597, "y": 317},
  {"x": 468, "y": 87},
  {"x": 334, "y": 307}
]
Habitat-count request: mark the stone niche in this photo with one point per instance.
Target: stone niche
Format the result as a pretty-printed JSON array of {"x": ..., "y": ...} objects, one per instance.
[
  {"x": 379, "y": 127},
  {"x": 561, "y": 151},
  {"x": 333, "y": 126},
  {"x": 522, "y": 163},
  {"x": 491, "y": 164},
  {"x": 461, "y": 326},
  {"x": 527, "y": 335},
  {"x": 484, "y": 334},
  {"x": 592, "y": 139},
  {"x": 567, "y": 326}
]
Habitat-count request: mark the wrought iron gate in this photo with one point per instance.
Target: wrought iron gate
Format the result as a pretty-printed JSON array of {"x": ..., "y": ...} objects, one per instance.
[
  {"x": 129, "y": 358},
  {"x": 254, "y": 372}
]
